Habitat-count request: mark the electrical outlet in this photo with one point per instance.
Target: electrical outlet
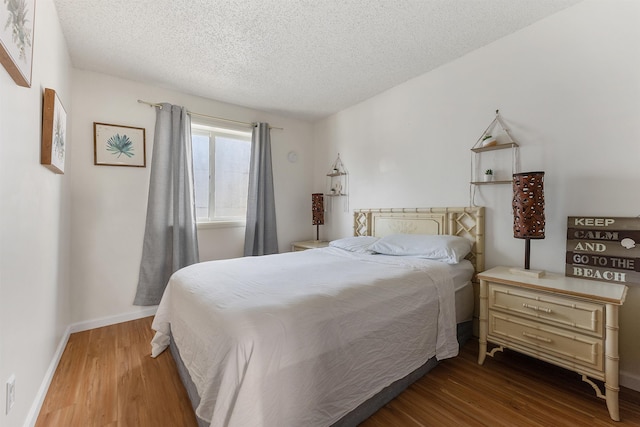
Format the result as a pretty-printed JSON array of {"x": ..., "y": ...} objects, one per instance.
[{"x": 11, "y": 392}]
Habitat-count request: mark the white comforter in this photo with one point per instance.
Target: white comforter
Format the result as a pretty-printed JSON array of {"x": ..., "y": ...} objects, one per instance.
[{"x": 302, "y": 338}]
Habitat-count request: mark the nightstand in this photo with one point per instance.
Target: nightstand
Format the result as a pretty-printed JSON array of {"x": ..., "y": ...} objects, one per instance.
[
  {"x": 566, "y": 321},
  {"x": 308, "y": 244}
]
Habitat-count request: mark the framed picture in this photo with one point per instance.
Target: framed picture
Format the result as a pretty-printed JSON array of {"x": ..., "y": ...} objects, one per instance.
[
  {"x": 54, "y": 132},
  {"x": 17, "y": 25},
  {"x": 116, "y": 145}
]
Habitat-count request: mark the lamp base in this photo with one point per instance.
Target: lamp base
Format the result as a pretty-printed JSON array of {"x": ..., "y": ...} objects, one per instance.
[{"x": 526, "y": 272}]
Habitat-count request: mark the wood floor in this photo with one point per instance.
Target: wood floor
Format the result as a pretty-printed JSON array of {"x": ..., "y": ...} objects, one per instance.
[{"x": 107, "y": 378}]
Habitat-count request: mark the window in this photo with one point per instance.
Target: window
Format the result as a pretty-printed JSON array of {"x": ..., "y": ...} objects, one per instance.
[{"x": 221, "y": 173}]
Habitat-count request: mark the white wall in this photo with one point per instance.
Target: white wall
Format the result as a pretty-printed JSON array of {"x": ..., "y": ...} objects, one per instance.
[
  {"x": 34, "y": 223},
  {"x": 70, "y": 244},
  {"x": 568, "y": 88},
  {"x": 109, "y": 203}
]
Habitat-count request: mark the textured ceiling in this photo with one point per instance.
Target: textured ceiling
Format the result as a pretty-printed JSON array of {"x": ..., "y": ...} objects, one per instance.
[{"x": 302, "y": 58}]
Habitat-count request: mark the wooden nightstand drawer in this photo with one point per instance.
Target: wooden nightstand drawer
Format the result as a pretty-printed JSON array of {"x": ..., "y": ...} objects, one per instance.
[
  {"x": 583, "y": 317},
  {"x": 558, "y": 343}
]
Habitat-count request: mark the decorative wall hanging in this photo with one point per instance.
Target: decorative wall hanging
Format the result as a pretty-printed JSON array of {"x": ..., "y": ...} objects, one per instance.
[
  {"x": 17, "y": 25},
  {"x": 116, "y": 145},
  {"x": 603, "y": 248},
  {"x": 54, "y": 132}
]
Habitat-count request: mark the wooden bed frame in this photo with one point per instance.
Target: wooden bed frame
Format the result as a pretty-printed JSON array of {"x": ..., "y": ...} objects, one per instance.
[{"x": 467, "y": 222}]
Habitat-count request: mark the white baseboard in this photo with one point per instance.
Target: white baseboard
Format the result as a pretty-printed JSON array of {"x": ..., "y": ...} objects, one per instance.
[
  {"x": 32, "y": 416},
  {"x": 630, "y": 380},
  {"x": 112, "y": 320}
]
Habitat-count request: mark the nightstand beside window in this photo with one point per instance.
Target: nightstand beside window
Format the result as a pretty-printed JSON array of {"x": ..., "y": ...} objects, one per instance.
[{"x": 308, "y": 244}]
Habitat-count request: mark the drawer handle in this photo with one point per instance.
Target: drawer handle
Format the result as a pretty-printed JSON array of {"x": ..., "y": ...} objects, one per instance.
[
  {"x": 536, "y": 308},
  {"x": 536, "y": 337}
]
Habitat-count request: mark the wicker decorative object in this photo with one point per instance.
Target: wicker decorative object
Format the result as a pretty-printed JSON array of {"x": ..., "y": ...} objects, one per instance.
[
  {"x": 528, "y": 209},
  {"x": 317, "y": 212}
]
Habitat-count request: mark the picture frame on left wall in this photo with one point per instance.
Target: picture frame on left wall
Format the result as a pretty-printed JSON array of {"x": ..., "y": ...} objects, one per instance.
[
  {"x": 54, "y": 132},
  {"x": 17, "y": 27}
]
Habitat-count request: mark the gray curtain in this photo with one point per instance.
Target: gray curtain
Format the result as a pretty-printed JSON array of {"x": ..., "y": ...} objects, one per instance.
[
  {"x": 170, "y": 235},
  {"x": 261, "y": 234}
]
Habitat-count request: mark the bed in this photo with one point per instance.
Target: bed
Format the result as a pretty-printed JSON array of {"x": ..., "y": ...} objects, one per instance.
[{"x": 322, "y": 337}]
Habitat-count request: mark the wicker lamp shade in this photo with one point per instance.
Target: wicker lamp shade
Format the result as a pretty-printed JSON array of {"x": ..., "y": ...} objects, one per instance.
[
  {"x": 528, "y": 205},
  {"x": 317, "y": 208},
  {"x": 528, "y": 209},
  {"x": 317, "y": 212}
]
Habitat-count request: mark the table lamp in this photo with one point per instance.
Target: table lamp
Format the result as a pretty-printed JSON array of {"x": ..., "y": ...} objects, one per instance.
[
  {"x": 528, "y": 214},
  {"x": 317, "y": 212}
]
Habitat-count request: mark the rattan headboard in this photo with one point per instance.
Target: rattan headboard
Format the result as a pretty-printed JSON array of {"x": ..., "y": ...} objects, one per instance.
[{"x": 466, "y": 222}]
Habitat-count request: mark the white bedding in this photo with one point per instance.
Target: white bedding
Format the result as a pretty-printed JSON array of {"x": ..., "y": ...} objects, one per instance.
[{"x": 302, "y": 338}]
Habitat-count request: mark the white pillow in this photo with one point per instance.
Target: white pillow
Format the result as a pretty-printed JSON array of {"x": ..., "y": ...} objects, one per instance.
[
  {"x": 358, "y": 244},
  {"x": 445, "y": 248}
]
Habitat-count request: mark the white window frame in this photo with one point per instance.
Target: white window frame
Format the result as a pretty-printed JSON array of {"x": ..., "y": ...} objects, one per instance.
[{"x": 211, "y": 131}]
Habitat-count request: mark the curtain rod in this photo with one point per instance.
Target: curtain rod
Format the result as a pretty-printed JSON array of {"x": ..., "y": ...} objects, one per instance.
[{"x": 247, "y": 124}]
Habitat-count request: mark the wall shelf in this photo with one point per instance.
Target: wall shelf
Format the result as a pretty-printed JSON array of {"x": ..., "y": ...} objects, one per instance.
[
  {"x": 337, "y": 184},
  {"x": 491, "y": 182},
  {"x": 499, "y": 164},
  {"x": 495, "y": 147},
  {"x": 478, "y": 149}
]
